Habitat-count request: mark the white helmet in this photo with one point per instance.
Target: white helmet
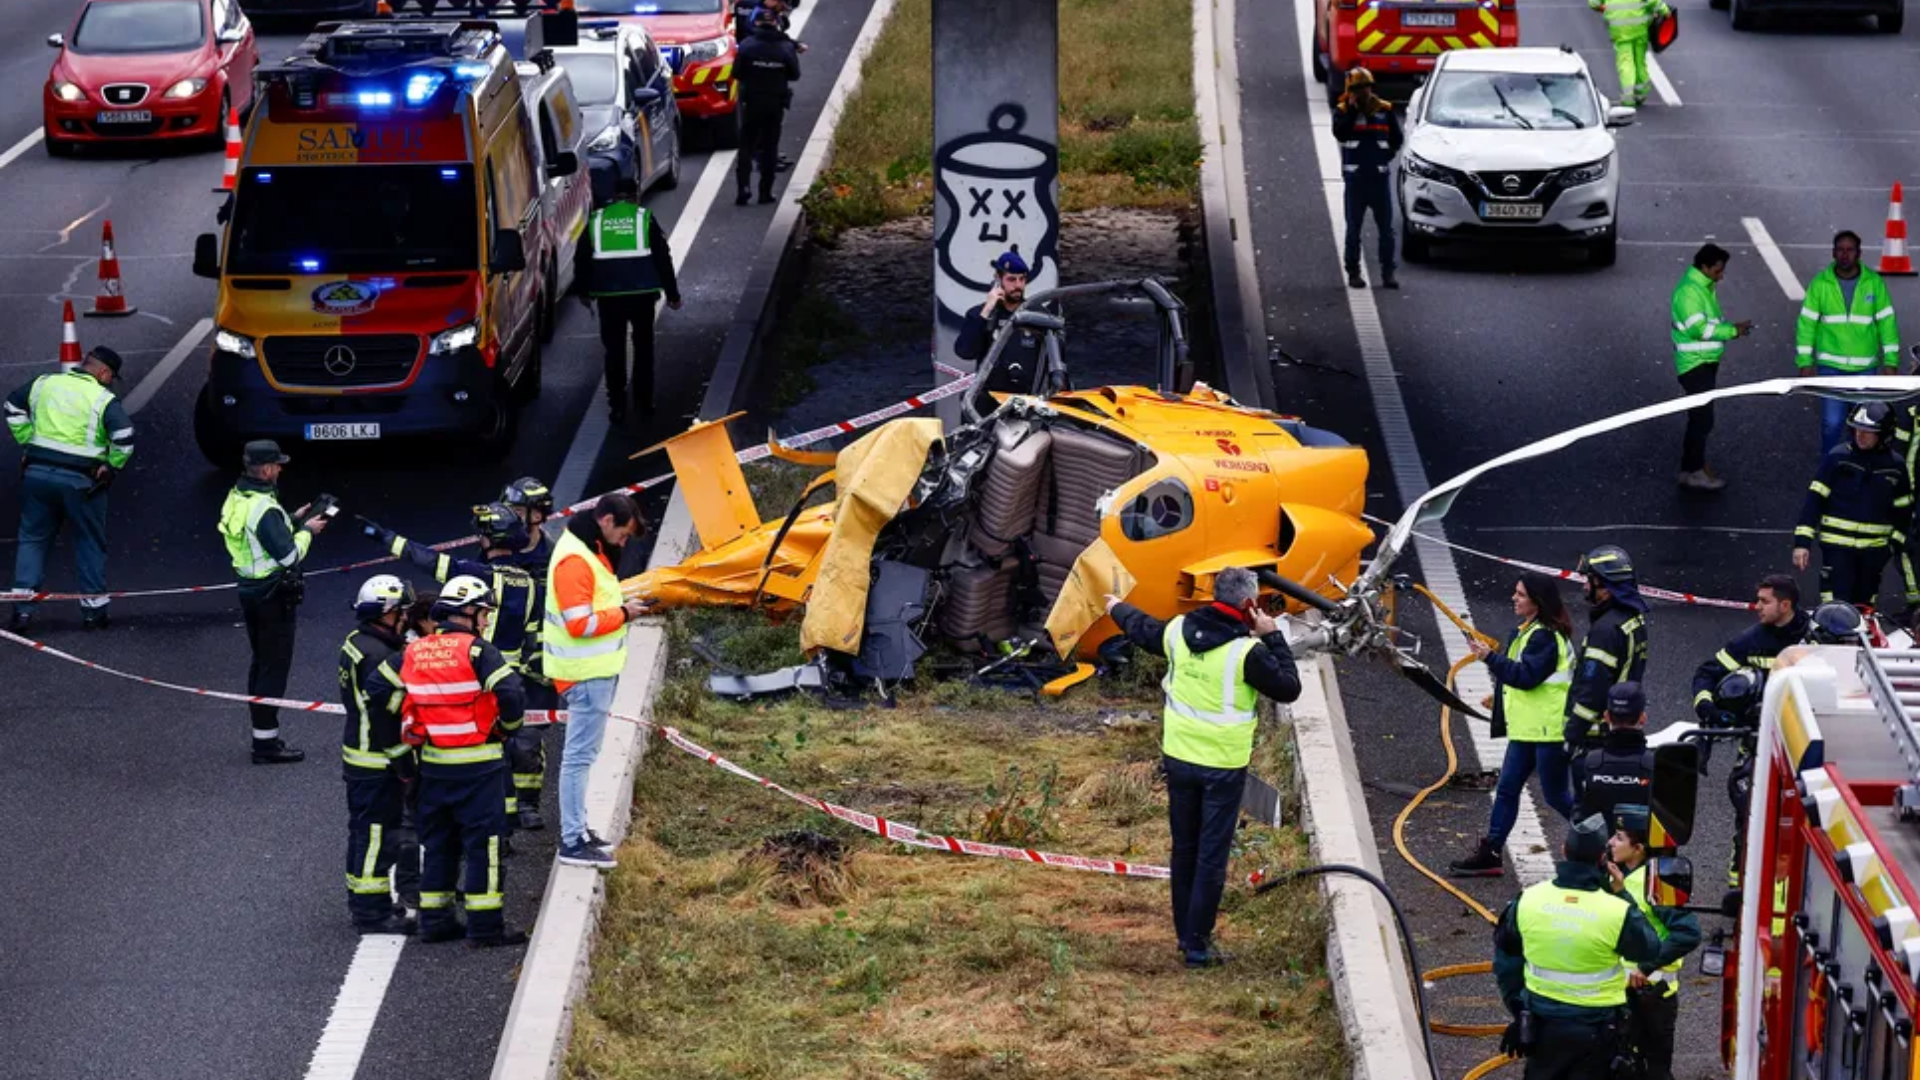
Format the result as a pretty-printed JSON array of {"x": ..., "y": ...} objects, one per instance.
[
  {"x": 382, "y": 593},
  {"x": 465, "y": 591}
]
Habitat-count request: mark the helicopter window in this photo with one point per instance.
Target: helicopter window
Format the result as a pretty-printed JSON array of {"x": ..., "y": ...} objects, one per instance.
[{"x": 1161, "y": 510}]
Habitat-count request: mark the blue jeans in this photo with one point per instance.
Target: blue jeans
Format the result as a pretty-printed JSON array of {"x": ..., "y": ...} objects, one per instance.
[
  {"x": 1524, "y": 759},
  {"x": 1203, "y": 806},
  {"x": 50, "y": 497},
  {"x": 588, "y": 704},
  {"x": 1833, "y": 413}
]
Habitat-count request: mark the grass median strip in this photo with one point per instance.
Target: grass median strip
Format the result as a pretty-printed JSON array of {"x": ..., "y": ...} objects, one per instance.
[{"x": 1127, "y": 129}]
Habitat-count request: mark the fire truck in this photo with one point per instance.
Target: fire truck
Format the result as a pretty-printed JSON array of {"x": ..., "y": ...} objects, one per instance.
[{"x": 1820, "y": 978}]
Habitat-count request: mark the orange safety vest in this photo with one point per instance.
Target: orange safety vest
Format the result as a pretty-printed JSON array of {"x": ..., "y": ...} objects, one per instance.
[{"x": 446, "y": 707}]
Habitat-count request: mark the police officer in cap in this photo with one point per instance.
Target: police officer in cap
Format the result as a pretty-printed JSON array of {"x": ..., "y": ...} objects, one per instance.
[
  {"x": 624, "y": 265},
  {"x": 75, "y": 438},
  {"x": 1620, "y": 769},
  {"x": 267, "y": 547},
  {"x": 1653, "y": 986},
  {"x": 377, "y": 765},
  {"x": 1859, "y": 507},
  {"x": 765, "y": 70},
  {"x": 1023, "y": 359},
  {"x": 1560, "y": 956},
  {"x": 1615, "y": 648}
]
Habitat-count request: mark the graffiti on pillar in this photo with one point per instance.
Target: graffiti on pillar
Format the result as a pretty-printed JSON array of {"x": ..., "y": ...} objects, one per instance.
[{"x": 998, "y": 188}]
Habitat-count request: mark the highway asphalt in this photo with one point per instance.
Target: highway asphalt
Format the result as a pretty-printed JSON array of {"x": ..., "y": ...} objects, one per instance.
[
  {"x": 1498, "y": 346},
  {"x": 173, "y": 911}
]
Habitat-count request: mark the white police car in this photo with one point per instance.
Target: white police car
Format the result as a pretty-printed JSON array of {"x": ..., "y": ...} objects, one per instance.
[{"x": 1510, "y": 144}]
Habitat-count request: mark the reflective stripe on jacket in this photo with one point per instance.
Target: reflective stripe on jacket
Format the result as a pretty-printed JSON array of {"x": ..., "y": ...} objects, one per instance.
[
  {"x": 1699, "y": 332},
  {"x": 240, "y": 518},
  {"x": 1628, "y": 20},
  {"x": 587, "y": 640},
  {"x": 1534, "y": 715},
  {"x": 1571, "y": 939},
  {"x": 1856, "y": 338},
  {"x": 1858, "y": 499},
  {"x": 1209, "y": 716},
  {"x": 370, "y": 690},
  {"x": 449, "y": 711},
  {"x": 66, "y": 417}
]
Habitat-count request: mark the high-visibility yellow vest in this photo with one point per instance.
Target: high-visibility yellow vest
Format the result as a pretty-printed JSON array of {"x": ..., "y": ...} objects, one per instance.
[
  {"x": 66, "y": 413},
  {"x": 1854, "y": 337},
  {"x": 240, "y": 518},
  {"x": 1209, "y": 716},
  {"x": 572, "y": 659},
  {"x": 1668, "y": 978},
  {"x": 1571, "y": 938},
  {"x": 1536, "y": 715}
]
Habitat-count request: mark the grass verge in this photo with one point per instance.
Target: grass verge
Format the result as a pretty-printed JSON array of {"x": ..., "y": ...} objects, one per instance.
[{"x": 1127, "y": 132}]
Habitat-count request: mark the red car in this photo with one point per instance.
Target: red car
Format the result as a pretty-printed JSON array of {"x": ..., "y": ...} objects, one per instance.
[
  {"x": 149, "y": 69},
  {"x": 696, "y": 40}
]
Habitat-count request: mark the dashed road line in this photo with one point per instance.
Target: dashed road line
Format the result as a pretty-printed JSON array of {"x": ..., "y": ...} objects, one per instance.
[
  {"x": 13, "y": 152},
  {"x": 1776, "y": 261},
  {"x": 344, "y": 1040},
  {"x": 1661, "y": 84},
  {"x": 1527, "y": 845}
]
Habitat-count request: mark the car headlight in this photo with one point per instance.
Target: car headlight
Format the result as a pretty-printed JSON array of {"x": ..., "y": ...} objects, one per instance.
[
  {"x": 711, "y": 49},
  {"x": 227, "y": 341},
  {"x": 185, "y": 88},
  {"x": 1589, "y": 173},
  {"x": 67, "y": 91},
  {"x": 1415, "y": 165},
  {"x": 605, "y": 141},
  {"x": 445, "y": 342}
]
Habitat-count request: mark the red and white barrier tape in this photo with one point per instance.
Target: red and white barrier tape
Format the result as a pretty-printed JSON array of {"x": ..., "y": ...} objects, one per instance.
[
  {"x": 1651, "y": 592},
  {"x": 897, "y": 831},
  {"x": 750, "y": 454}
]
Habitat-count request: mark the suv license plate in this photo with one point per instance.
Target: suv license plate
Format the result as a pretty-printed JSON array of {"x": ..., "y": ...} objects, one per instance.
[
  {"x": 335, "y": 432},
  {"x": 1426, "y": 18},
  {"x": 124, "y": 116},
  {"x": 1521, "y": 211}
]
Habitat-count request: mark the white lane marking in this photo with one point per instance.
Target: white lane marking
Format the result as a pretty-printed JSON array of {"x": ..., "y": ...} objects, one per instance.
[
  {"x": 21, "y": 147},
  {"x": 168, "y": 364},
  {"x": 1527, "y": 845},
  {"x": 344, "y": 1040},
  {"x": 570, "y": 484},
  {"x": 1661, "y": 84},
  {"x": 1776, "y": 262}
]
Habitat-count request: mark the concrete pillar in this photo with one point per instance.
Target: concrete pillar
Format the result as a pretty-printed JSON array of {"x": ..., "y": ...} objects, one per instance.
[{"x": 996, "y": 159}]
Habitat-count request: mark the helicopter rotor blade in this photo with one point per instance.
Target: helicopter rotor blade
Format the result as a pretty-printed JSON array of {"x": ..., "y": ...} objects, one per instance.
[{"x": 1435, "y": 688}]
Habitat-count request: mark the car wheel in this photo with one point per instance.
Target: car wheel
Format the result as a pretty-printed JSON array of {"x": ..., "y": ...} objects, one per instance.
[
  {"x": 1605, "y": 250},
  {"x": 218, "y": 140},
  {"x": 1890, "y": 22},
  {"x": 1717, "y": 5},
  {"x": 1336, "y": 84},
  {"x": 1319, "y": 60},
  {"x": 219, "y": 445},
  {"x": 60, "y": 148},
  {"x": 726, "y": 131},
  {"x": 1741, "y": 14},
  {"x": 671, "y": 179},
  {"x": 502, "y": 425},
  {"x": 1414, "y": 248}
]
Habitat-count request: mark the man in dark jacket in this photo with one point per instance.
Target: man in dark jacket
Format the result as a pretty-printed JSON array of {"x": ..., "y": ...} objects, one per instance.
[
  {"x": 1024, "y": 358},
  {"x": 377, "y": 766},
  {"x": 1860, "y": 508},
  {"x": 624, "y": 264},
  {"x": 1620, "y": 770},
  {"x": 765, "y": 69},
  {"x": 1614, "y": 650},
  {"x": 1782, "y": 623},
  {"x": 1369, "y": 135},
  {"x": 1207, "y": 735}
]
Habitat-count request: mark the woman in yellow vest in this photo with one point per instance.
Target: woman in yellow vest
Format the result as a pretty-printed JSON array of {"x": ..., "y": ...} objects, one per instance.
[
  {"x": 1653, "y": 988},
  {"x": 1531, "y": 675}
]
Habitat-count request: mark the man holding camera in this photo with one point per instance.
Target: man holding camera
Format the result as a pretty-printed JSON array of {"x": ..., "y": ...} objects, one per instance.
[{"x": 267, "y": 546}]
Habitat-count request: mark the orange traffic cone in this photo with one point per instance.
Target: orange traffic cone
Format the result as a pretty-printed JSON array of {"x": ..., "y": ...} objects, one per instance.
[
  {"x": 1894, "y": 259},
  {"x": 231, "y": 178},
  {"x": 69, "y": 338},
  {"x": 111, "y": 299}
]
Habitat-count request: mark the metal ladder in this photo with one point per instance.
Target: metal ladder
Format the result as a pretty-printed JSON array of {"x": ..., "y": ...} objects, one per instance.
[{"x": 1892, "y": 679}]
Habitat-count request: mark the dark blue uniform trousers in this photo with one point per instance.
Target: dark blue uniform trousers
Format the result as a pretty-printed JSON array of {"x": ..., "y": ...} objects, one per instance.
[
  {"x": 376, "y": 841},
  {"x": 462, "y": 816}
]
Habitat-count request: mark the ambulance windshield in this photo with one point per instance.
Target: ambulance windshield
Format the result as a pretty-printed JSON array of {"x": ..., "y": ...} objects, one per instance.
[{"x": 363, "y": 219}]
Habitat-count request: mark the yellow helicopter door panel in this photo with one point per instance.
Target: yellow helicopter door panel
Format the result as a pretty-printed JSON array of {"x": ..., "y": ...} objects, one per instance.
[{"x": 1082, "y": 600}]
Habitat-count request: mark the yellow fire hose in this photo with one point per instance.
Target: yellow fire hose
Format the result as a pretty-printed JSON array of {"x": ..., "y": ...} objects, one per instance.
[{"x": 1400, "y": 845}]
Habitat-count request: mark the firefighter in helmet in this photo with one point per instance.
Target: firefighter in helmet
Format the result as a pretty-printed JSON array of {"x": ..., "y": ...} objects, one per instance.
[
  {"x": 1615, "y": 648},
  {"x": 1859, "y": 508}
]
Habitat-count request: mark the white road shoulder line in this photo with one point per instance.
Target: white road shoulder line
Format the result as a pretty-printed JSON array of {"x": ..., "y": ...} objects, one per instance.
[
  {"x": 1776, "y": 262},
  {"x": 350, "y": 1025},
  {"x": 170, "y": 363},
  {"x": 13, "y": 152},
  {"x": 1527, "y": 845},
  {"x": 1661, "y": 84}
]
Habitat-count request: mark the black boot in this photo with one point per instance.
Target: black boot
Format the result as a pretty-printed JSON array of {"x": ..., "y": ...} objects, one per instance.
[
  {"x": 396, "y": 923},
  {"x": 95, "y": 619},
  {"x": 444, "y": 932},
  {"x": 1484, "y": 862},
  {"x": 507, "y": 937},
  {"x": 767, "y": 199},
  {"x": 1355, "y": 281},
  {"x": 275, "y": 752},
  {"x": 617, "y": 407},
  {"x": 741, "y": 198},
  {"x": 530, "y": 820},
  {"x": 22, "y": 621}
]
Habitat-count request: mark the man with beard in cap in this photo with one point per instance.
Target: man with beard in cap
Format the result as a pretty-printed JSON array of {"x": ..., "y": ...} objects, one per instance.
[
  {"x": 1560, "y": 956},
  {"x": 1023, "y": 358}
]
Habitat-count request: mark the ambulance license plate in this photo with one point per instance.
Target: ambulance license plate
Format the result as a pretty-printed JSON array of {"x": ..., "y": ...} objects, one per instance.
[
  {"x": 1426, "y": 18},
  {"x": 1528, "y": 211},
  {"x": 337, "y": 432},
  {"x": 124, "y": 116}
]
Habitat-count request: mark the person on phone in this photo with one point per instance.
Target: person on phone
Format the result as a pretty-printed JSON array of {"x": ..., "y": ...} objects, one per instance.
[
  {"x": 1221, "y": 659},
  {"x": 1369, "y": 135},
  {"x": 1653, "y": 986},
  {"x": 267, "y": 546},
  {"x": 1700, "y": 336},
  {"x": 1023, "y": 358},
  {"x": 585, "y": 650}
]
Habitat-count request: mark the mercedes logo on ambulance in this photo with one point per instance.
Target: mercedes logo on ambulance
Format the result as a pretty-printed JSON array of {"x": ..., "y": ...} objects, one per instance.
[{"x": 339, "y": 361}]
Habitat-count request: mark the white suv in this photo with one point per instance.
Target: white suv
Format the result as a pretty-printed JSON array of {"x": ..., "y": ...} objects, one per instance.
[{"x": 1510, "y": 144}]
